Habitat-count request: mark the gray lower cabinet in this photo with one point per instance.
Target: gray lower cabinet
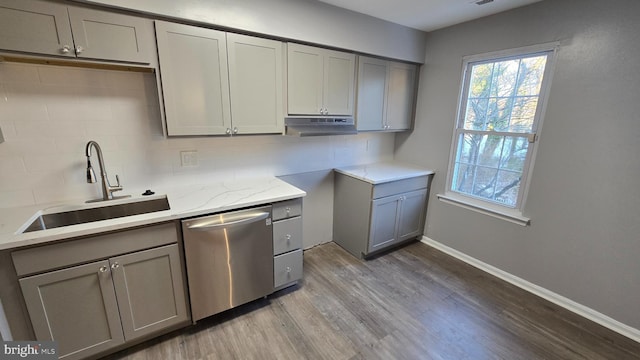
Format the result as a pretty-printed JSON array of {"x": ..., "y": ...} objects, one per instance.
[
  {"x": 91, "y": 308},
  {"x": 287, "y": 243},
  {"x": 369, "y": 218}
]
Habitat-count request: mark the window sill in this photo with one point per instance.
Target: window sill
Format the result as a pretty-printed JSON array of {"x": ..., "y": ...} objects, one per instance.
[{"x": 511, "y": 215}]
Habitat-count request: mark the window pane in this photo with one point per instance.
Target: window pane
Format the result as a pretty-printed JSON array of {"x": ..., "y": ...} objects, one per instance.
[
  {"x": 463, "y": 178},
  {"x": 489, "y": 150},
  {"x": 531, "y": 71},
  {"x": 514, "y": 153},
  {"x": 480, "y": 81},
  {"x": 485, "y": 182},
  {"x": 468, "y": 145},
  {"x": 507, "y": 187},
  {"x": 505, "y": 74},
  {"x": 523, "y": 114},
  {"x": 476, "y": 114},
  {"x": 498, "y": 114}
]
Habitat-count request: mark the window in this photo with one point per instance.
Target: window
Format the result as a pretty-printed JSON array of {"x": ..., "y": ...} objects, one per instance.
[{"x": 499, "y": 116}]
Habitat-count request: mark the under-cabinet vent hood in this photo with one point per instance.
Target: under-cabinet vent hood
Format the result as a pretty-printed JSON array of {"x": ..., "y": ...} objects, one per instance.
[{"x": 319, "y": 126}]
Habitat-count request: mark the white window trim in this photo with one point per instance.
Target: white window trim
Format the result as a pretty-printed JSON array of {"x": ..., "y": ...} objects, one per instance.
[{"x": 514, "y": 215}]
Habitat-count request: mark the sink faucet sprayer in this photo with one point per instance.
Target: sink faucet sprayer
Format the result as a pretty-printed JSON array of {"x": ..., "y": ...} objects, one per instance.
[{"x": 107, "y": 189}]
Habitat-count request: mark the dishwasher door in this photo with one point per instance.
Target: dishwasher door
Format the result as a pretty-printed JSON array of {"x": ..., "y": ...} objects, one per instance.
[{"x": 229, "y": 259}]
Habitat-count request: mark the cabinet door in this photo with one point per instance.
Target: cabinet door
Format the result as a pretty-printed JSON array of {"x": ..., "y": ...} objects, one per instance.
[
  {"x": 339, "y": 82},
  {"x": 36, "y": 27},
  {"x": 108, "y": 36},
  {"x": 256, "y": 84},
  {"x": 75, "y": 307},
  {"x": 150, "y": 290},
  {"x": 384, "y": 219},
  {"x": 372, "y": 88},
  {"x": 195, "y": 80},
  {"x": 412, "y": 213},
  {"x": 401, "y": 95},
  {"x": 304, "y": 79}
]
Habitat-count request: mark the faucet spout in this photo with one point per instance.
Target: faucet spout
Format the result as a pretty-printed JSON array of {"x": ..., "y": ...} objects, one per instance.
[{"x": 107, "y": 188}]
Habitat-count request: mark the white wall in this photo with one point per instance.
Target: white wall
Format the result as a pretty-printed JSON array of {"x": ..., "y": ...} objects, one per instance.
[
  {"x": 48, "y": 114},
  {"x": 584, "y": 200},
  {"x": 305, "y": 20}
]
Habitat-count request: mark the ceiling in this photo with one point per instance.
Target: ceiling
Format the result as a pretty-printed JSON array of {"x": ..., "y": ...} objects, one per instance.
[{"x": 428, "y": 15}]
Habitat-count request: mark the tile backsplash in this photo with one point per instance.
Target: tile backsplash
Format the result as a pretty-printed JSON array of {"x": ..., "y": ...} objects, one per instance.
[{"x": 49, "y": 113}]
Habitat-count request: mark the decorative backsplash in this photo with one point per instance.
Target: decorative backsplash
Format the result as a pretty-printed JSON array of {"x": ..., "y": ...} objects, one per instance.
[{"x": 49, "y": 113}]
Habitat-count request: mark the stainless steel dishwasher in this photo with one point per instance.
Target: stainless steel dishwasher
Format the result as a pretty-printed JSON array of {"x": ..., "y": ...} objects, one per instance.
[{"x": 229, "y": 259}]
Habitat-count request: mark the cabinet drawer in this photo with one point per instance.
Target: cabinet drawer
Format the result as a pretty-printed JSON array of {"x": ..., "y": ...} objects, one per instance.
[
  {"x": 287, "y": 268},
  {"x": 287, "y": 235},
  {"x": 287, "y": 209},
  {"x": 54, "y": 256},
  {"x": 400, "y": 186}
]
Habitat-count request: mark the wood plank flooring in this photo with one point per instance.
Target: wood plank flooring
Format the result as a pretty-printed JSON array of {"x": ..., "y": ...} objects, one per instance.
[{"x": 412, "y": 303}]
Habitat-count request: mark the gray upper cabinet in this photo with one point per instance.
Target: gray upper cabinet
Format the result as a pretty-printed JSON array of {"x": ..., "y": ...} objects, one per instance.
[
  {"x": 195, "y": 81},
  {"x": 319, "y": 81},
  {"x": 217, "y": 83},
  {"x": 55, "y": 29},
  {"x": 386, "y": 95},
  {"x": 256, "y": 83}
]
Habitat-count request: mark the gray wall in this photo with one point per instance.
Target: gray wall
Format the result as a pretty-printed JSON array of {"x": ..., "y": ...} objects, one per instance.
[
  {"x": 305, "y": 20},
  {"x": 584, "y": 200}
]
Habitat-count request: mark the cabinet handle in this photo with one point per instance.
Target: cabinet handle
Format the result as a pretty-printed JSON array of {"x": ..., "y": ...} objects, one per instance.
[
  {"x": 228, "y": 131},
  {"x": 115, "y": 266},
  {"x": 65, "y": 49},
  {"x": 103, "y": 269},
  {"x": 235, "y": 130},
  {"x": 79, "y": 50}
]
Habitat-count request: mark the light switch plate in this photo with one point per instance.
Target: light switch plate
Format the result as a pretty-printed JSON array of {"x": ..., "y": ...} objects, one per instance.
[{"x": 189, "y": 158}]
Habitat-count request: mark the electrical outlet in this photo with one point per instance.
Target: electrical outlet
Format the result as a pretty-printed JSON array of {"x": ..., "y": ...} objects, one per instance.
[{"x": 189, "y": 158}]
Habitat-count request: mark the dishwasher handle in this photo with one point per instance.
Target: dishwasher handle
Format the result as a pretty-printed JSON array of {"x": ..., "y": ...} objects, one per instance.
[{"x": 220, "y": 222}]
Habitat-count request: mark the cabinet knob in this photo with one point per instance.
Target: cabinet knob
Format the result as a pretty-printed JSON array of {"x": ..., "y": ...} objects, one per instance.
[
  {"x": 288, "y": 269},
  {"x": 228, "y": 132},
  {"x": 287, "y": 210},
  {"x": 235, "y": 130},
  {"x": 103, "y": 269},
  {"x": 115, "y": 265},
  {"x": 65, "y": 49},
  {"x": 79, "y": 50},
  {"x": 288, "y": 237}
]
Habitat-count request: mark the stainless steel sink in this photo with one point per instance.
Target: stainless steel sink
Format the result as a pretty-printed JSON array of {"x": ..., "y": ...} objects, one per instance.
[{"x": 86, "y": 215}]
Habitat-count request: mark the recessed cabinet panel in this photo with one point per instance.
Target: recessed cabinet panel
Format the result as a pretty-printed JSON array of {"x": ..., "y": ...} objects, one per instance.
[
  {"x": 411, "y": 220},
  {"x": 305, "y": 80},
  {"x": 384, "y": 218},
  {"x": 256, "y": 84},
  {"x": 287, "y": 235},
  {"x": 339, "y": 83},
  {"x": 401, "y": 96},
  {"x": 287, "y": 268},
  {"x": 103, "y": 35},
  {"x": 75, "y": 307},
  {"x": 195, "y": 82},
  {"x": 372, "y": 87},
  {"x": 35, "y": 26},
  {"x": 150, "y": 290}
]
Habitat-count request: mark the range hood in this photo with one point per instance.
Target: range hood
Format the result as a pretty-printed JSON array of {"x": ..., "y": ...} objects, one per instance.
[{"x": 319, "y": 126}]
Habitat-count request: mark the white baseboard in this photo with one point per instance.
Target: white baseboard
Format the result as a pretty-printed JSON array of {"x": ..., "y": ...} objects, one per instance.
[{"x": 586, "y": 312}]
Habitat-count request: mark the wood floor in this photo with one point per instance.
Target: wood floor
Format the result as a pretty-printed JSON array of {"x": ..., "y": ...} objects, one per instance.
[{"x": 412, "y": 303}]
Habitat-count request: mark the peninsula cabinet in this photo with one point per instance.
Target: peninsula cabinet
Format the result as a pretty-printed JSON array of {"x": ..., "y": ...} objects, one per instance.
[
  {"x": 386, "y": 95},
  {"x": 92, "y": 307},
  {"x": 372, "y": 216},
  {"x": 319, "y": 81},
  {"x": 217, "y": 83},
  {"x": 49, "y": 28}
]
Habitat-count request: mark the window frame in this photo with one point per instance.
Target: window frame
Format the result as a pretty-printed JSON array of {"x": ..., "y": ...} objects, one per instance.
[{"x": 489, "y": 207}]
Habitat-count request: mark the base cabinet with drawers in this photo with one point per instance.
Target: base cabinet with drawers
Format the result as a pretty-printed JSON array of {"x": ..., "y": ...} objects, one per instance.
[
  {"x": 287, "y": 243},
  {"x": 96, "y": 294},
  {"x": 369, "y": 218}
]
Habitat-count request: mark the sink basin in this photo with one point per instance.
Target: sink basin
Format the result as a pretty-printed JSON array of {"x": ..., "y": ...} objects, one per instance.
[{"x": 86, "y": 215}]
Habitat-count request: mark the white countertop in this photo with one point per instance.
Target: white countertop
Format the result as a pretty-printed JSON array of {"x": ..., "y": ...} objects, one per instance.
[
  {"x": 185, "y": 201},
  {"x": 379, "y": 173}
]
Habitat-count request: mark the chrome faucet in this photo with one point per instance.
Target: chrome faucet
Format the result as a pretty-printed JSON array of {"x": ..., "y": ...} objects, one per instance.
[{"x": 107, "y": 189}]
